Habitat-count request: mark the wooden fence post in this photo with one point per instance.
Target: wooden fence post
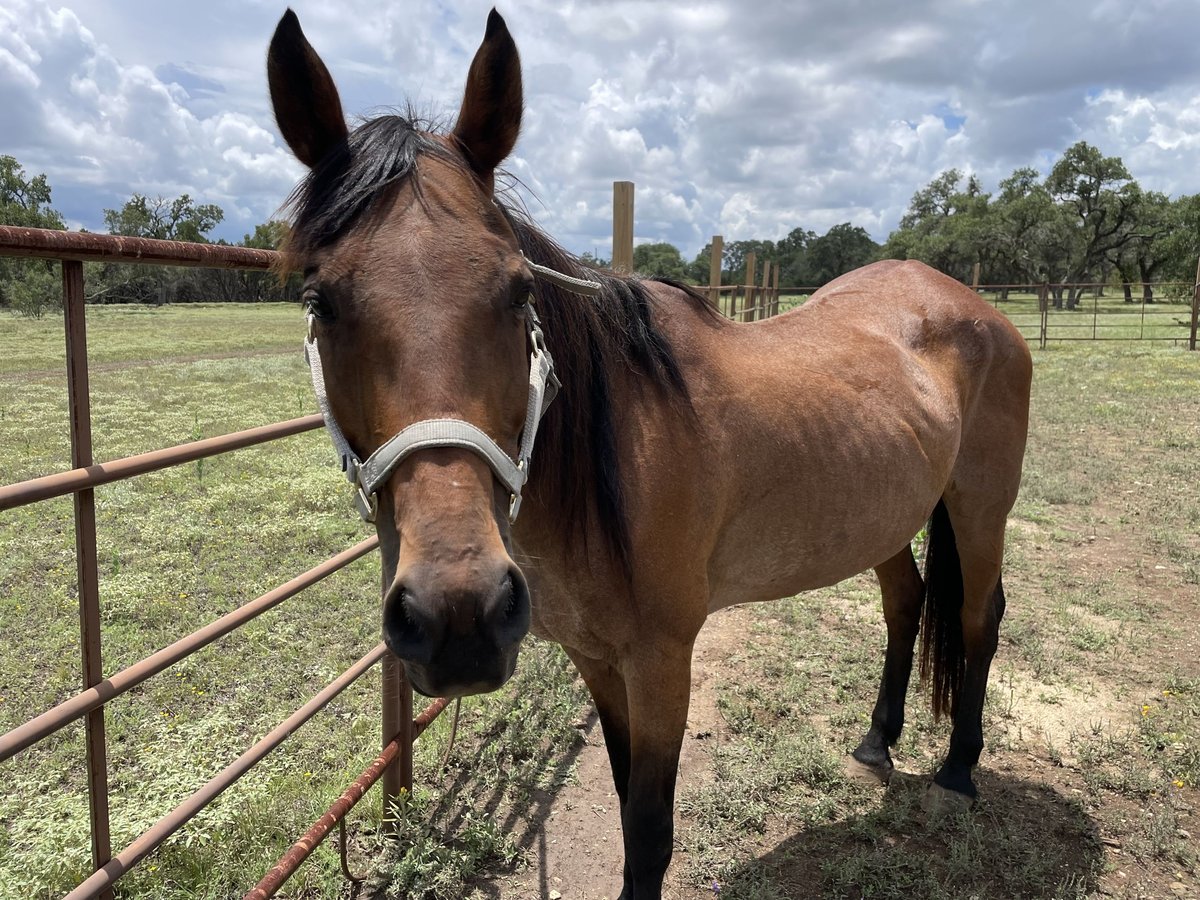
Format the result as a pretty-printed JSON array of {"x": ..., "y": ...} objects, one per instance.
[
  {"x": 748, "y": 281},
  {"x": 1195, "y": 309},
  {"x": 1044, "y": 309},
  {"x": 764, "y": 302},
  {"x": 622, "y": 258},
  {"x": 775, "y": 291},
  {"x": 716, "y": 251}
]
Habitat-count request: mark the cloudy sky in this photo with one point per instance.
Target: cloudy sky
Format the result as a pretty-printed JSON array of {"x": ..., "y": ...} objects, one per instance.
[{"x": 738, "y": 118}]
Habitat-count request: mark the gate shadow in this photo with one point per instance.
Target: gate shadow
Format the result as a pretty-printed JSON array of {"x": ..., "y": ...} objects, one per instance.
[
  {"x": 473, "y": 791},
  {"x": 1023, "y": 839}
]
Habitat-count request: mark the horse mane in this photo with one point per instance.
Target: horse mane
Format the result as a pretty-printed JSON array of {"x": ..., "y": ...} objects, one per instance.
[{"x": 576, "y": 465}]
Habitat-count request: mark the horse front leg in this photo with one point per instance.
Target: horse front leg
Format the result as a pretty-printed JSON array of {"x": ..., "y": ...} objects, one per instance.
[
  {"x": 658, "y": 686},
  {"x": 607, "y": 687}
]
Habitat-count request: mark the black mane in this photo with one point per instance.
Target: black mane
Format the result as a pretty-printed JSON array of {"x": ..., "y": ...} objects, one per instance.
[{"x": 576, "y": 465}]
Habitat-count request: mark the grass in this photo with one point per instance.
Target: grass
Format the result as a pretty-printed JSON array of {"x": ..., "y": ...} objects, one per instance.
[
  {"x": 177, "y": 549},
  {"x": 1092, "y": 724}
]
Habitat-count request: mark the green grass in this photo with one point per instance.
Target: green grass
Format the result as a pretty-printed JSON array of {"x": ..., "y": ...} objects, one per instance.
[
  {"x": 177, "y": 549},
  {"x": 1093, "y": 636}
]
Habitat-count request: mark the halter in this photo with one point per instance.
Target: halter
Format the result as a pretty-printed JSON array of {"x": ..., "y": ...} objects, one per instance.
[{"x": 368, "y": 476}]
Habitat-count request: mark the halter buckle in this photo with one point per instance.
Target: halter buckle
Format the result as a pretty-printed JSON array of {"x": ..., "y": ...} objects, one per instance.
[{"x": 367, "y": 504}]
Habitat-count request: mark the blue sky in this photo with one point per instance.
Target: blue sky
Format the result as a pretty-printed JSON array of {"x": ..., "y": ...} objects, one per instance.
[{"x": 801, "y": 114}]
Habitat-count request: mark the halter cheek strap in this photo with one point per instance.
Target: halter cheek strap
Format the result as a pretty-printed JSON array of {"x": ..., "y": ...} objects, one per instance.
[{"x": 369, "y": 476}]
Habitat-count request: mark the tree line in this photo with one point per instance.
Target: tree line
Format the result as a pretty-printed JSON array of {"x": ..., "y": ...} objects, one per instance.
[
  {"x": 32, "y": 286},
  {"x": 1088, "y": 221}
]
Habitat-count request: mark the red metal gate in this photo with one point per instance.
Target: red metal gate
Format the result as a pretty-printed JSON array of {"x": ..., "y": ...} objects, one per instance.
[{"x": 399, "y": 729}]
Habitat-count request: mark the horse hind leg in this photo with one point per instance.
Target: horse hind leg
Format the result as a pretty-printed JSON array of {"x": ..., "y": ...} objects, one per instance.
[
  {"x": 903, "y": 596},
  {"x": 963, "y": 612}
]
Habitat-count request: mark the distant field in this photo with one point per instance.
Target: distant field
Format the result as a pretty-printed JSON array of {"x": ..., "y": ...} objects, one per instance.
[{"x": 1089, "y": 783}]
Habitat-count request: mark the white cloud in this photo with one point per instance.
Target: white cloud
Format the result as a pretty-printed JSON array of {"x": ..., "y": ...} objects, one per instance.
[{"x": 803, "y": 114}]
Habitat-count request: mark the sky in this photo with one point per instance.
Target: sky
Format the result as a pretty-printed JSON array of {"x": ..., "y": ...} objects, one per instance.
[{"x": 733, "y": 118}]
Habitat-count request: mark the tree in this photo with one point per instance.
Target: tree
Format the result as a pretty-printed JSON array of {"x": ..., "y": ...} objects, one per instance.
[
  {"x": 1102, "y": 200},
  {"x": 661, "y": 260},
  {"x": 734, "y": 266},
  {"x": 175, "y": 220},
  {"x": 842, "y": 248},
  {"x": 180, "y": 219},
  {"x": 28, "y": 286},
  {"x": 792, "y": 256},
  {"x": 947, "y": 225}
]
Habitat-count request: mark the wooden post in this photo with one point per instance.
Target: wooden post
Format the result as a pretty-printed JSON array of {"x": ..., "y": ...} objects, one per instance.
[
  {"x": 751, "y": 268},
  {"x": 975, "y": 279},
  {"x": 622, "y": 258},
  {"x": 1044, "y": 308},
  {"x": 716, "y": 252},
  {"x": 1195, "y": 309},
  {"x": 764, "y": 301},
  {"x": 775, "y": 291}
]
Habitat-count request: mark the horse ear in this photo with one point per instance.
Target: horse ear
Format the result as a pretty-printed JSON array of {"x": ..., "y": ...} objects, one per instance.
[
  {"x": 490, "y": 117},
  {"x": 307, "y": 107}
]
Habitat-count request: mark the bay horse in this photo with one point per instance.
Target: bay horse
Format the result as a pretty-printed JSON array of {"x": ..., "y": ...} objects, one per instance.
[{"x": 688, "y": 462}]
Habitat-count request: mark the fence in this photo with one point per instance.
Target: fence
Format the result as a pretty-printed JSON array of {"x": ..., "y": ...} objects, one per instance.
[
  {"x": 1027, "y": 305},
  {"x": 394, "y": 764}
]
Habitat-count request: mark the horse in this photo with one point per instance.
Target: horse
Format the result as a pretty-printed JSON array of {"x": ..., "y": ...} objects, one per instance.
[{"x": 687, "y": 463}]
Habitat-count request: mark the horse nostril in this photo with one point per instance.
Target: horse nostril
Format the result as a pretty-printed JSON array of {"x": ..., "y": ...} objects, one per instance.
[
  {"x": 511, "y": 608},
  {"x": 410, "y": 633}
]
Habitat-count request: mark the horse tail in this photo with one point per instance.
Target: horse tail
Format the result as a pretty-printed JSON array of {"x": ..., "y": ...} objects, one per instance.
[{"x": 943, "y": 654}]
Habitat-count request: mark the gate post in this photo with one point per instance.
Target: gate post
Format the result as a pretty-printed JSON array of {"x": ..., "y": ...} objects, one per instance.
[{"x": 87, "y": 575}]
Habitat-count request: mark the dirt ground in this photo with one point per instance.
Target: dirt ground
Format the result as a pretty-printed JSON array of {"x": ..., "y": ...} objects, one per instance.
[{"x": 575, "y": 852}]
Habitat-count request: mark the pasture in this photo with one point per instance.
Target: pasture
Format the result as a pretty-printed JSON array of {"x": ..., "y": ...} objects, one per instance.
[{"x": 1089, "y": 783}]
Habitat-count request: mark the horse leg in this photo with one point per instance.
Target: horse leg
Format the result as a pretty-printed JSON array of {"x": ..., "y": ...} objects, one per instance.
[
  {"x": 981, "y": 633},
  {"x": 658, "y": 684},
  {"x": 607, "y": 687},
  {"x": 974, "y": 549},
  {"x": 903, "y": 596}
]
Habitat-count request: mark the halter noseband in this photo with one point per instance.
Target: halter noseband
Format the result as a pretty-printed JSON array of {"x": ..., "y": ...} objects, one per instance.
[{"x": 368, "y": 476}]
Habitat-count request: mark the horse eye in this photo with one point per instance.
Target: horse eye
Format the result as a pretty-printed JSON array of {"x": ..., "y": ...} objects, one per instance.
[{"x": 316, "y": 304}]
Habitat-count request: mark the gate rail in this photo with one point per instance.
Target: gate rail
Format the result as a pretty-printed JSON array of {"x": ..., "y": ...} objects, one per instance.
[{"x": 399, "y": 729}]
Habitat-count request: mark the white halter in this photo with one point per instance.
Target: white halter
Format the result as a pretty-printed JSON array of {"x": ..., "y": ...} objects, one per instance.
[{"x": 369, "y": 476}]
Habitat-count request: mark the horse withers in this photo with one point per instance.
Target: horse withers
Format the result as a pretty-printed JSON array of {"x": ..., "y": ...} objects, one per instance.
[{"x": 688, "y": 463}]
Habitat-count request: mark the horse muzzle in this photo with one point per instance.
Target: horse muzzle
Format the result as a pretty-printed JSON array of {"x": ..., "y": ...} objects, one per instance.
[{"x": 457, "y": 632}]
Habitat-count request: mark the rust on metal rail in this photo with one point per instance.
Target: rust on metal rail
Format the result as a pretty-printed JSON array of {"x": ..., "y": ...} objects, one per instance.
[
  {"x": 107, "y": 875},
  {"x": 90, "y": 476},
  {"x": 96, "y": 696},
  {"x": 44, "y": 243},
  {"x": 287, "y": 864}
]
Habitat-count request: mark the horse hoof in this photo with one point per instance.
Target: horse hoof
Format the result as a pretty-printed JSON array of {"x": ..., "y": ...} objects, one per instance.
[
  {"x": 862, "y": 773},
  {"x": 939, "y": 803}
]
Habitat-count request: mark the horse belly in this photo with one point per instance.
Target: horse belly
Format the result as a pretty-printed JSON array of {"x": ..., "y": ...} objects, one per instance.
[{"x": 819, "y": 518}]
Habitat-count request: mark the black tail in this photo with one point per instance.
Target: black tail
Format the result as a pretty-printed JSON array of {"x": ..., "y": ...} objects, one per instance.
[{"x": 942, "y": 652}]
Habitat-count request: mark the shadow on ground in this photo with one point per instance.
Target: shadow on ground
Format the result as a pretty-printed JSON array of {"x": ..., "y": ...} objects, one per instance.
[{"x": 1023, "y": 839}]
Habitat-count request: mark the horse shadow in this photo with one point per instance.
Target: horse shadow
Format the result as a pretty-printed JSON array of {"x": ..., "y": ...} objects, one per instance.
[{"x": 1022, "y": 839}]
